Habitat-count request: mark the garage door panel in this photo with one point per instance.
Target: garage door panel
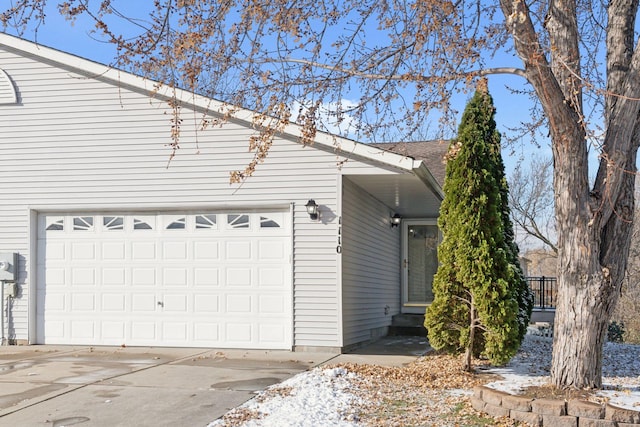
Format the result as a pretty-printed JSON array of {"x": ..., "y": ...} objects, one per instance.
[
  {"x": 55, "y": 302},
  {"x": 174, "y": 251},
  {"x": 143, "y": 303},
  {"x": 205, "y": 303},
  {"x": 113, "y": 303},
  {"x": 174, "y": 332},
  {"x": 54, "y": 276},
  {"x": 113, "y": 331},
  {"x": 238, "y": 333},
  {"x": 207, "y": 250},
  {"x": 114, "y": 276},
  {"x": 206, "y": 277},
  {"x": 83, "y": 251},
  {"x": 273, "y": 332},
  {"x": 83, "y": 302},
  {"x": 271, "y": 277},
  {"x": 271, "y": 250},
  {"x": 174, "y": 276},
  {"x": 174, "y": 303},
  {"x": 113, "y": 251},
  {"x": 82, "y": 276},
  {"x": 238, "y": 250},
  {"x": 236, "y": 303},
  {"x": 219, "y": 280},
  {"x": 82, "y": 330},
  {"x": 143, "y": 332},
  {"x": 206, "y": 332},
  {"x": 143, "y": 251},
  {"x": 55, "y": 331},
  {"x": 271, "y": 304},
  {"x": 55, "y": 251},
  {"x": 144, "y": 276},
  {"x": 238, "y": 277}
]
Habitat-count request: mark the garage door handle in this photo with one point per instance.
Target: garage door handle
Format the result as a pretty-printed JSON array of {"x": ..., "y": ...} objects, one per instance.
[{"x": 160, "y": 303}]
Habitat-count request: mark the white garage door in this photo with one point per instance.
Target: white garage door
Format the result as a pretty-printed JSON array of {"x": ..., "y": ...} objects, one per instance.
[{"x": 197, "y": 279}]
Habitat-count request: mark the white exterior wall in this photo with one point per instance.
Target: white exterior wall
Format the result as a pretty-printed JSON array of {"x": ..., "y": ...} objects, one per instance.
[
  {"x": 74, "y": 143},
  {"x": 370, "y": 265}
]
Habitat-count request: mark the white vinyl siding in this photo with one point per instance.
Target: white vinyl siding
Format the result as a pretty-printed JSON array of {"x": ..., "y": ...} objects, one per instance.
[
  {"x": 76, "y": 143},
  {"x": 370, "y": 265}
]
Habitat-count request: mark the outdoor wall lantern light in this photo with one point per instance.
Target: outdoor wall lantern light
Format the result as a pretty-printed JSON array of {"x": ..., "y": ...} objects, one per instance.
[
  {"x": 395, "y": 220},
  {"x": 312, "y": 209}
]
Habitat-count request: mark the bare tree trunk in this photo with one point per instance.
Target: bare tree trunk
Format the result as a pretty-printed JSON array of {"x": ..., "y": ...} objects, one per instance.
[
  {"x": 473, "y": 321},
  {"x": 592, "y": 265},
  {"x": 586, "y": 301},
  {"x": 580, "y": 331}
]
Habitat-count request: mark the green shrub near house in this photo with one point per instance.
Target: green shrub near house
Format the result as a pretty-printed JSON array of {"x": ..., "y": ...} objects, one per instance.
[{"x": 482, "y": 303}]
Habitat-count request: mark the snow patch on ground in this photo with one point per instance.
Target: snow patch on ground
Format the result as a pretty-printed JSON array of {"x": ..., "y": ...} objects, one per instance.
[
  {"x": 531, "y": 367},
  {"x": 320, "y": 397}
]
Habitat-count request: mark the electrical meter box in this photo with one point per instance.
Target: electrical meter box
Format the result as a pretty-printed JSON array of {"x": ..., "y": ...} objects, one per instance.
[{"x": 8, "y": 266}]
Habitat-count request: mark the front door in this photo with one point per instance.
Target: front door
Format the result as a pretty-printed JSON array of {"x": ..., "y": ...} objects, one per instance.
[{"x": 419, "y": 262}]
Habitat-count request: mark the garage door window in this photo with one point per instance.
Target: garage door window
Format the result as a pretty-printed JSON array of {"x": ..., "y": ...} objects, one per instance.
[
  {"x": 206, "y": 221},
  {"x": 141, "y": 223},
  {"x": 238, "y": 221},
  {"x": 83, "y": 223},
  {"x": 55, "y": 223},
  {"x": 268, "y": 223},
  {"x": 113, "y": 223},
  {"x": 177, "y": 224}
]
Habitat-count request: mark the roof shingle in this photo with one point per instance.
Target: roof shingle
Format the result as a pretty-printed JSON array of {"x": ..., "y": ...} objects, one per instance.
[{"x": 430, "y": 152}]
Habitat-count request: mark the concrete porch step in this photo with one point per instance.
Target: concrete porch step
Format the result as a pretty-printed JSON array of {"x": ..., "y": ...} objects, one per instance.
[{"x": 407, "y": 325}]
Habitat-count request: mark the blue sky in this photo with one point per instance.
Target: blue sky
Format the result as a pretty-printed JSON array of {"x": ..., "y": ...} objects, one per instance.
[{"x": 510, "y": 109}]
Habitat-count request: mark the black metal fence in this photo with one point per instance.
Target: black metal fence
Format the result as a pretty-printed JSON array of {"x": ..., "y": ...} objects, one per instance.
[{"x": 544, "y": 291}]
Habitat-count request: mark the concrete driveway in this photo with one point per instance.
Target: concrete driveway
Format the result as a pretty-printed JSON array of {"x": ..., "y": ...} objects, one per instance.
[
  {"x": 135, "y": 386},
  {"x": 140, "y": 386}
]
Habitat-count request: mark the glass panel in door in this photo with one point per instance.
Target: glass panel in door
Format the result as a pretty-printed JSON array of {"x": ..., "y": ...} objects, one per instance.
[{"x": 421, "y": 262}]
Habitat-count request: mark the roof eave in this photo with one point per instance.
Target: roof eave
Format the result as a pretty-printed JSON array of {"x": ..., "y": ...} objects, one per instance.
[{"x": 425, "y": 175}]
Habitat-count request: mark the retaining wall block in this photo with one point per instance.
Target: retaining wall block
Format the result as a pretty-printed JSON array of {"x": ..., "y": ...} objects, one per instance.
[
  {"x": 519, "y": 403},
  {"x": 495, "y": 410},
  {"x": 477, "y": 391},
  {"x": 590, "y": 422},
  {"x": 559, "y": 421},
  {"x": 530, "y": 418},
  {"x": 549, "y": 407},
  {"x": 621, "y": 415},
  {"x": 582, "y": 408},
  {"x": 493, "y": 397},
  {"x": 477, "y": 404}
]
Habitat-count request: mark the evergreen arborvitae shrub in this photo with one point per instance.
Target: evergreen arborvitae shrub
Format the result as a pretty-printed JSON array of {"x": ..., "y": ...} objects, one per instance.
[{"x": 479, "y": 290}]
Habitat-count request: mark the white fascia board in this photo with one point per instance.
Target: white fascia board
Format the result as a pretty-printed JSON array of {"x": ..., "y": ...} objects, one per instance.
[
  {"x": 344, "y": 146},
  {"x": 157, "y": 90}
]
